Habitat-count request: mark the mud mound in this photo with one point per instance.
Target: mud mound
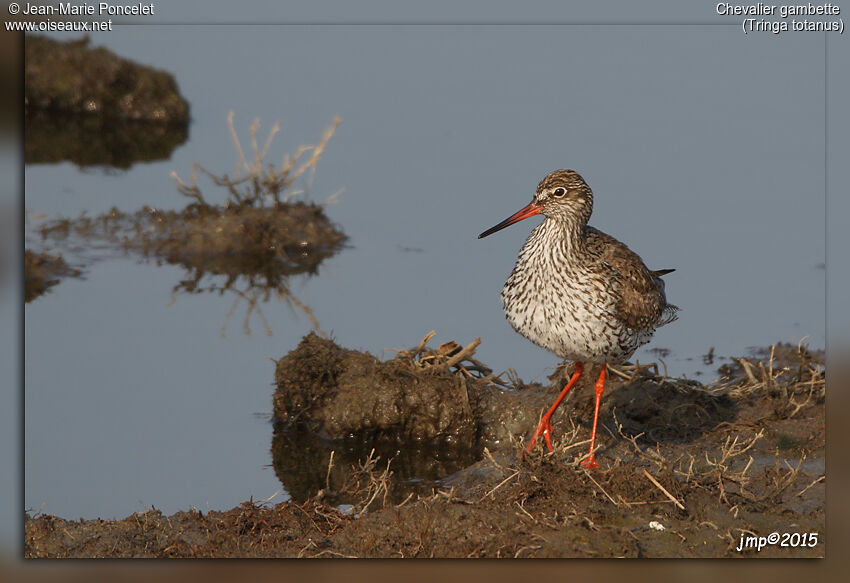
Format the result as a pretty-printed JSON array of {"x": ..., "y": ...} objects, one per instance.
[
  {"x": 70, "y": 77},
  {"x": 251, "y": 529},
  {"x": 339, "y": 392},
  {"x": 245, "y": 250},
  {"x": 428, "y": 412},
  {"x": 667, "y": 410}
]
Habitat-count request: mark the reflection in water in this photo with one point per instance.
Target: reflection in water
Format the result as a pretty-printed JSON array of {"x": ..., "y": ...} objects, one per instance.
[
  {"x": 42, "y": 271},
  {"x": 262, "y": 248},
  {"x": 94, "y": 141},
  {"x": 344, "y": 471},
  {"x": 250, "y": 252}
]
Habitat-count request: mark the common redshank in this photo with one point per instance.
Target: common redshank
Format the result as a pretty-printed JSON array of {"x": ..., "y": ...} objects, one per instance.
[{"x": 578, "y": 292}]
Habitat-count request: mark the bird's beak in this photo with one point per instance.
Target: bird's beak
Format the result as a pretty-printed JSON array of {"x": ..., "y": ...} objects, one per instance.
[{"x": 527, "y": 211}]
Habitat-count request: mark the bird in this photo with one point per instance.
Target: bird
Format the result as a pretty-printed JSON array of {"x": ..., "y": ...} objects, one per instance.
[{"x": 578, "y": 292}]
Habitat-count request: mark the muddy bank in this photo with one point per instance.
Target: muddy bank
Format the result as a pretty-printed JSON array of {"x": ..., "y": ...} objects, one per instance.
[
  {"x": 685, "y": 470},
  {"x": 71, "y": 77},
  {"x": 42, "y": 271}
]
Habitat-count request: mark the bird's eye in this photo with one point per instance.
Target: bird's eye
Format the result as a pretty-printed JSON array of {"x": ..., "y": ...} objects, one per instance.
[{"x": 559, "y": 192}]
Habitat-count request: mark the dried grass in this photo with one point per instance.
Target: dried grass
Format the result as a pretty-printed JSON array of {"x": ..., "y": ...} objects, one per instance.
[
  {"x": 793, "y": 384},
  {"x": 455, "y": 357},
  {"x": 366, "y": 482},
  {"x": 254, "y": 181}
]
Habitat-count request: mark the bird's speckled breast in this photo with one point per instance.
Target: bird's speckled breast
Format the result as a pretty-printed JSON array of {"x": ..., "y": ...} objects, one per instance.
[{"x": 563, "y": 299}]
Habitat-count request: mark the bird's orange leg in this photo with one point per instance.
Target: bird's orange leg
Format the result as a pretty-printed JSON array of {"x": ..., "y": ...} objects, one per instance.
[
  {"x": 545, "y": 427},
  {"x": 590, "y": 460}
]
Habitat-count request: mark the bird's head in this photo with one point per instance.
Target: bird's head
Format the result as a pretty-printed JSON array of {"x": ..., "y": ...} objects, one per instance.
[{"x": 562, "y": 195}]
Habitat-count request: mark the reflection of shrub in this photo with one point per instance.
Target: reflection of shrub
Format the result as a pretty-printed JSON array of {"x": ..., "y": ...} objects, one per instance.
[
  {"x": 253, "y": 183},
  {"x": 42, "y": 271}
]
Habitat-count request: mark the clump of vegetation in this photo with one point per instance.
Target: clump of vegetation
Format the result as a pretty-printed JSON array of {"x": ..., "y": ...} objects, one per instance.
[
  {"x": 791, "y": 377},
  {"x": 255, "y": 183},
  {"x": 250, "y": 245}
]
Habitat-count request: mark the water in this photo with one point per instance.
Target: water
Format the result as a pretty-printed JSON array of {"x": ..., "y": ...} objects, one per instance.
[{"x": 704, "y": 148}]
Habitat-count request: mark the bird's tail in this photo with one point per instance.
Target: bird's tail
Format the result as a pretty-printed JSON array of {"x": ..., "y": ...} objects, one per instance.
[{"x": 669, "y": 314}]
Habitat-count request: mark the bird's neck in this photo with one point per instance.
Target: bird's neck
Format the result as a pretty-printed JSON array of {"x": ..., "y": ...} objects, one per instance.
[{"x": 567, "y": 235}]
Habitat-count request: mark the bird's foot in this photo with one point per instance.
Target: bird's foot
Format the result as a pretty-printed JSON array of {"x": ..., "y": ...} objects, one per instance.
[
  {"x": 545, "y": 429},
  {"x": 589, "y": 462}
]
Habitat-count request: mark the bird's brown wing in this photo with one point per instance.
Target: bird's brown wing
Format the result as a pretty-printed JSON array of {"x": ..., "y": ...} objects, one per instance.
[{"x": 642, "y": 304}]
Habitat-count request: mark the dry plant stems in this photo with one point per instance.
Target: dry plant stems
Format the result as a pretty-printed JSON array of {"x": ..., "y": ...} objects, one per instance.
[
  {"x": 817, "y": 480},
  {"x": 330, "y": 467},
  {"x": 792, "y": 387},
  {"x": 658, "y": 485},
  {"x": 598, "y": 485},
  {"x": 253, "y": 182},
  {"x": 463, "y": 354},
  {"x": 629, "y": 372},
  {"x": 447, "y": 355},
  {"x": 499, "y": 485},
  {"x": 251, "y": 296},
  {"x": 450, "y": 355},
  {"x": 512, "y": 472},
  {"x": 365, "y": 481}
]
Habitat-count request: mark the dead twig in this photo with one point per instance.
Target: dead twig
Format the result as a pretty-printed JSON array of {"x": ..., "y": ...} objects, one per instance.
[
  {"x": 598, "y": 485},
  {"x": 468, "y": 350},
  {"x": 663, "y": 489},
  {"x": 818, "y": 480},
  {"x": 499, "y": 485}
]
